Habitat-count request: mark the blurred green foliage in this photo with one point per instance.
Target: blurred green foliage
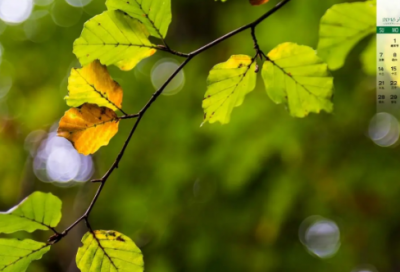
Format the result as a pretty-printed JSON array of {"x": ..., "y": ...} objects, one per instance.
[{"x": 216, "y": 198}]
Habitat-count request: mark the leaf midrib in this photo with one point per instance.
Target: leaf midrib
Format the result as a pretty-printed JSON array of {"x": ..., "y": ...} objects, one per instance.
[
  {"x": 23, "y": 257},
  {"x": 151, "y": 22},
  {"x": 97, "y": 91},
  {"x": 297, "y": 83}
]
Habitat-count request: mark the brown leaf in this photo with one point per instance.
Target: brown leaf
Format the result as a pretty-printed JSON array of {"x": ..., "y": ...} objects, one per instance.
[{"x": 89, "y": 127}]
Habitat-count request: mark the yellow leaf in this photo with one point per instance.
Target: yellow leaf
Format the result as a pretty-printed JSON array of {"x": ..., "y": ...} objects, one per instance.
[
  {"x": 294, "y": 75},
  {"x": 109, "y": 251},
  {"x": 89, "y": 127},
  {"x": 228, "y": 83},
  {"x": 93, "y": 84},
  {"x": 258, "y": 2}
]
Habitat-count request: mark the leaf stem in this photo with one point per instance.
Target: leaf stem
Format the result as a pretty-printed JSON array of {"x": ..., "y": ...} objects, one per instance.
[
  {"x": 173, "y": 52},
  {"x": 128, "y": 116},
  {"x": 85, "y": 217}
]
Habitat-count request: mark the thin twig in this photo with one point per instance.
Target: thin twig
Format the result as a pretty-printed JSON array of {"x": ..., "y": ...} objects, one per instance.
[
  {"x": 169, "y": 50},
  {"x": 129, "y": 116},
  {"x": 85, "y": 217}
]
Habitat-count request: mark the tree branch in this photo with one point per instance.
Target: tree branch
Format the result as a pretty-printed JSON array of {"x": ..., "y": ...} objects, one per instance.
[{"x": 85, "y": 217}]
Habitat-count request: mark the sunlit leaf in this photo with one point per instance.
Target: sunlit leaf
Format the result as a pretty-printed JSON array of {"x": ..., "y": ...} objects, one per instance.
[
  {"x": 88, "y": 128},
  {"x": 154, "y": 14},
  {"x": 16, "y": 255},
  {"x": 342, "y": 27},
  {"x": 39, "y": 211},
  {"x": 228, "y": 83},
  {"x": 368, "y": 57},
  {"x": 114, "y": 38},
  {"x": 93, "y": 84},
  {"x": 258, "y": 2},
  {"x": 109, "y": 251},
  {"x": 296, "y": 76}
]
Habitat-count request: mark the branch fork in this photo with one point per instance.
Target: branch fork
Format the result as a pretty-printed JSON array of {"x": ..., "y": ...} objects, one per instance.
[{"x": 138, "y": 116}]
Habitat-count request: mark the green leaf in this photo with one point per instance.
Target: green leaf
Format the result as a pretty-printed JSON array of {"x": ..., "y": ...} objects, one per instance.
[
  {"x": 39, "y": 211},
  {"x": 228, "y": 83},
  {"x": 342, "y": 27},
  {"x": 154, "y": 14},
  {"x": 16, "y": 255},
  {"x": 368, "y": 58},
  {"x": 114, "y": 38},
  {"x": 296, "y": 76},
  {"x": 109, "y": 251},
  {"x": 93, "y": 84}
]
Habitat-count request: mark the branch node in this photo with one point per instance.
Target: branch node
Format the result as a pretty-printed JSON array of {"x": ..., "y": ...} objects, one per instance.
[
  {"x": 55, "y": 238},
  {"x": 58, "y": 236}
]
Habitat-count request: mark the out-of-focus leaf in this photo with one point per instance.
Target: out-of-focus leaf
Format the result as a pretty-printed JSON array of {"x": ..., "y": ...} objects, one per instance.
[
  {"x": 39, "y": 211},
  {"x": 16, "y": 255},
  {"x": 342, "y": 27},
  {"x": 114, "y": 38},
  {"x": 154, "y": 14},
  {"x": 368, "y": 58},
  {"x": 93, "y": 84},
  {"x": 296, "y": 76},
  {"x": 258, "y": 2},
  {"x": 109, "y": 251},
  {"x": 228, "y": 83},
  {"x": 88, "y": 128}
]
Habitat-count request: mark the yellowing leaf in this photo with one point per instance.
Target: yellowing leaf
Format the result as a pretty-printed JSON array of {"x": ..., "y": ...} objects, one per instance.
[
  {"x": 89, "y": 127},
  {"x": 296, "y": 76},
  {"x": 154, "y": 14},
  {"x": 16, "y": 255},
  {"x": 93, "y": 84},
  {"x": 342, "y": 27},
  {"x": 258, "y": 2},
  {"x": 228, "y": 84},
  {"x": 39, "y": 211},
  {"x": 114, "y": 38},
  {"x": 109, "y": 251}
]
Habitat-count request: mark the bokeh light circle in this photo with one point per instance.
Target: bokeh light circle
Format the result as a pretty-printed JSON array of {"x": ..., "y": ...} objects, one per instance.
[
  {"x": 86, "y": 169},
  {"x": 320, "y": 236},
  {"x": 33, "y": 140},
  {"x": 65, "y": 15},
  {"x": 43, "y": 2},
  {"x": 365, "y": 268},
  {"x": 162, "y": 70},
  {"x": 39, "y": 27},
  {"x": 94, "y": 7},
  {"x": 62, "y": 164},
  {"x": 15, "y": 11},
  {"x": 56, "y": 160},
  {"x": 384, "y": 129},
  {"x": 78, "y": 3}
]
